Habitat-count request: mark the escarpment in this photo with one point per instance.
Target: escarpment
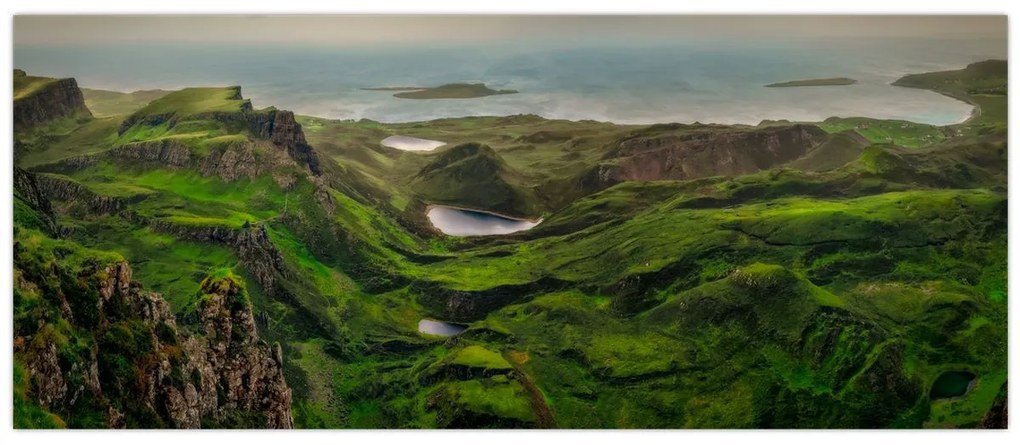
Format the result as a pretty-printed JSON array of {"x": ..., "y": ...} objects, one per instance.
[
  {"x": 73, "y": 193},
  {"x": 235, "y": 114},
  {"x": 97, "y": 350},
  {"x": 29, "y": 190},
  {"x": 228, "y": 162},
  {"x": 38, "y": 100},
  {"x": 677, "y": 152}
]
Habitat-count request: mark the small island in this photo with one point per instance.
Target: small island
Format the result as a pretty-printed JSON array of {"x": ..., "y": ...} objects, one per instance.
[
  {"x": 447, "y": 91},
  {"x": 832, "y": 81}
]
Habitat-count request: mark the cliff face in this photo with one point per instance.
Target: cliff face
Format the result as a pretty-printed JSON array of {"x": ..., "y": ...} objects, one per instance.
[
  {"x": 39, "y": 213},
  {"x": 72, "y": 192},
  {"x": 52, "y": 99},
  {"x": 680, "y": 152},
  {"x": 98, "y": 351},
  {"x": 280, "y": 128},
  {"x": 700, "y": 154}
]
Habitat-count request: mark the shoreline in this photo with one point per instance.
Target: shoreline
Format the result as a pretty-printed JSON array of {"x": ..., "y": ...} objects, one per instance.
[
  {"x": 974, "y": 113},
  {"x": 430, "y": 206},
  {"x": 975, "y": 110}
]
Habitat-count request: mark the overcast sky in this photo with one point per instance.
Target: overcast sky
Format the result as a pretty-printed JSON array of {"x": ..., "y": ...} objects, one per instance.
[{"x": 360, "y": 30}]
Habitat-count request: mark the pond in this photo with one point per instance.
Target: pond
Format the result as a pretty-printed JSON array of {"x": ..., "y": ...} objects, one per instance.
[
  {"x": 442, "y": 328},
  {"x": 463, "y": 222},
  {"x": 951, "y": 384},
  {"x": 408, "y": 143}
]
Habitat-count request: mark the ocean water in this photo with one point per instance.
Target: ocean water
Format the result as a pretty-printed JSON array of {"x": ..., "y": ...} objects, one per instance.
[{"x": 712, "y": 80}]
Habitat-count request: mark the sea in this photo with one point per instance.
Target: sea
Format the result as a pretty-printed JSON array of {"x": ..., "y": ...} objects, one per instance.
[{"x": 632, "y": 82}]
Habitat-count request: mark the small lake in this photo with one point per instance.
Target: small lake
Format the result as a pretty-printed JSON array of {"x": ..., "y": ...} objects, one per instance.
[
  {"x": 409, "y": 143},
  {"x": 442, "y": 328},
  {"x": 951, "y": 384},
  {"x": 463, "y": 222}
]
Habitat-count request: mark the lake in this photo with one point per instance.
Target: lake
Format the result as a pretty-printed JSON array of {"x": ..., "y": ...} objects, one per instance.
[
  {"x": 462, "y": 222},
  {"x": 409, "y": 143},
  {"x": 951, "y": 384},
  {"x": 435, "y": 327}
]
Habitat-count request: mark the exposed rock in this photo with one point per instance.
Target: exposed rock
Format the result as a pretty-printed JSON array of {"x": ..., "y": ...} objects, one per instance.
[
  {"x": 28, "y": 188},
  {"x": 62, "y": 189},
  {"x": 188, "y": 380},
  {"x": 167, "y": 153},
  {"x": 695, "y": 154},
  {"x": 57, "y": 99}
]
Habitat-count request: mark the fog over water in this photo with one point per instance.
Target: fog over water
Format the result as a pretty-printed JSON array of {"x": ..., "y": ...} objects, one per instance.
[{"x": 717, "y": 78}]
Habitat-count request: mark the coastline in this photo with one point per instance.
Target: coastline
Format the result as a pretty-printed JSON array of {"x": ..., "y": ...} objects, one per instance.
[{"x": 975, "y": 110}]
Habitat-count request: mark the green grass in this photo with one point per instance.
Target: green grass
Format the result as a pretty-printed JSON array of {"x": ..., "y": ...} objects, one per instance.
[
  {"x": 902, "y": 133},
  {"x": 104, "y": 103},
  {"x": 475, "y": 356},
  {"x": 191, "y": 101},
  {"x": 25, "y": 86},
  {"x": 773, "y": 300},
  {"x": 504, "y": 400}
]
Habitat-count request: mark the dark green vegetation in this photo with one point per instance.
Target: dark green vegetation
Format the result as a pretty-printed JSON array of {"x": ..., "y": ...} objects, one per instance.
[
  {"x": 445, "y": 91},
  {"x": 786, "y": 275},
  {"x": 831, "y": 81}
]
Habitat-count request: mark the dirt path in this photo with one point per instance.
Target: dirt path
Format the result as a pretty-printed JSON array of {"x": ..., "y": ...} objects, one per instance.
[{"x": 542, "y": 412}]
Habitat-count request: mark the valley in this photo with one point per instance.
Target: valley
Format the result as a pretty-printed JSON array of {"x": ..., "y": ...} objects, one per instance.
[{"x": 848, "y": 273}]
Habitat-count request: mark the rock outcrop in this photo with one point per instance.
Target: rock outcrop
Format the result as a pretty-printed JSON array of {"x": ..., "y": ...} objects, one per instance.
[
  {"x": 696, "y": 154},
  {"x": 66, "y": 189},
  {"x": 679, "y": 152},
  {"x": 38, "y": 100},
  {"x": 130, "y": 364},
  {"x": 28, "y": 189}
]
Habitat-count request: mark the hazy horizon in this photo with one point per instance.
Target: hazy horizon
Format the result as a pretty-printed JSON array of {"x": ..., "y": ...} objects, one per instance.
[{"x": 375, "y": 29}]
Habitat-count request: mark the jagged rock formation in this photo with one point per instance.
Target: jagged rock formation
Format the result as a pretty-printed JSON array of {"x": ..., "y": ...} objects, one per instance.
[
  {"x": 38, "y": 100},
  {"x": 95, "y": 349},
  {"x": 100, "y": 351},
  {"x": 279, "y": 127},
  {"x": 65, "y": 189},
  {"x": 28, "y": 190}
]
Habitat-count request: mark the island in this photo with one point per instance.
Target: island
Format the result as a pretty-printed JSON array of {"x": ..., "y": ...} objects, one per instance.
[
  {"x": 832, "y": 81},
  {"x": 446, "y": 91}
]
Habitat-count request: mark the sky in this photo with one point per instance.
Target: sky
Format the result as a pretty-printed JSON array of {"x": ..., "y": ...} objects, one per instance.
[{"x": 369, "y": 29}]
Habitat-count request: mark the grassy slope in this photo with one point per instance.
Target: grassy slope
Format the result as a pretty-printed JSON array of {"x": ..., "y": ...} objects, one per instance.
[
  {"x": 25, "y": 85},
  {"x": 196, "y": 100},
  {"x": 675, "y": 300},
  {"x": 104, "y": 103}
]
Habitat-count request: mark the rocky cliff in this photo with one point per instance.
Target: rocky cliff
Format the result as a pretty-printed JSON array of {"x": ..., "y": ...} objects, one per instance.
[
  {"x": 681, "y": 152},
  {"x": 38, "y": 100},
  {"x": 96, "y": 350},
  {"x": 37, "y": 212},
  {"x": 278, "y": 127},
  {"x": 696, "y": 154}
]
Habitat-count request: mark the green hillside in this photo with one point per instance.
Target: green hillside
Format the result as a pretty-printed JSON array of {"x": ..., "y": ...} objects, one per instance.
[{"x": 829, "y": 284}]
